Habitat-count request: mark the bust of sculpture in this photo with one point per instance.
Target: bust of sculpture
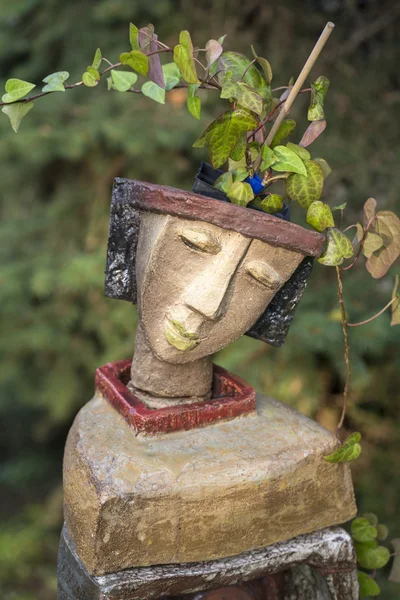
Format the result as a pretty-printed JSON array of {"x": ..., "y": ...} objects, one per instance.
[{"x": 201, "y": 279}]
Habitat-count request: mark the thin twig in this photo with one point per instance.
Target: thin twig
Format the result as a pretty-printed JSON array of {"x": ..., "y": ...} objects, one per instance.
[
  {"x": 346, "y": 351},
  {"x": 375, "y": 316},
  {"x": 301, "y": 79},
  {"x": 361, "y": 243}
]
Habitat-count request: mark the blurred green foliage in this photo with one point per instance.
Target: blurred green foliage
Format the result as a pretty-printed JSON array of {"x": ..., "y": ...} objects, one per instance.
[{"x": 56, "y": 176}]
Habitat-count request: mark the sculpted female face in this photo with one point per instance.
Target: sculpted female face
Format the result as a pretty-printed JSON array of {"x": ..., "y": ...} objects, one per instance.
[{"x": 200, "y": 287}]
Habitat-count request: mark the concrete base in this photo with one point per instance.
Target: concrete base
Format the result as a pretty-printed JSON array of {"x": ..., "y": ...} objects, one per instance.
[
  {"x": 317, "y": 566},
  {"x": 197, "y": 495}
]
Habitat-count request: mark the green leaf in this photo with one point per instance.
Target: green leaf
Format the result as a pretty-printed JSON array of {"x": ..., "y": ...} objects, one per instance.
[
  {"x": 222, "y": 39},
  {"x": 248, "y": 98},
  {"x": 272, "y": 204},
  {"x": 386, "y": 225},
  {"x": 89, "y": 80},
  {"x": 305, "y": 190},
  {"x": 213, "y": 51},
  {"x": 302, "y": 152},
  {"x": 284, "y": 130},
  {"x": 372, "y": 558},
  {"x": 55, "y": 82},
  {"x": 372, "y": 243},
  {"x": 318, "y": 92},
  {"x": 368, "y": 586},
  {"x": 193, "y": 101},
  {"x": 240, "y": 174},
  {"x": 16, "y": 112},
  {"x": 123, "y": 80},
  {"x": 239, "y": 149},
  {"x": 240, "y": 193},
  {"x": 326, "y": 170},
  {"x": 362, "y": 530},
  {"x": 338, "y": 248},
  {"x": 319, "y": 216},
  {"x": 265, "y": 66},
  {"x": 154, "y": 91},
  {"x": 348, "y": 451},
  {"x": 313, "y": 131},
  {"x": 136, "y": 60},
  {"x": 183, "y": 57},
  {"x": 172, "y": 75},
  {"x": 229, "y": 89},
  {"x": 134, "y": 37},
  {"x": 371, "y": 518},
  {"x": 396, "y": 305},
  {"x": 268, "y": 158},
  {"x": 93, "y": 72},
  {"x": 383, "y": 532},
  {"x": 16, "y": 89},
  {"x": 97, "y": 59},
  {"x": 224, "y": 182},
  {"x": 289, "y": 161},
  {"x": 223, "y": 134},
  {"x": 340, "y": 206},
  {"x": 237, "y": 64}
]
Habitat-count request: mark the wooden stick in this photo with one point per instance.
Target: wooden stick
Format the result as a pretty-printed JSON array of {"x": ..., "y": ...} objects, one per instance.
[{"x": 300, "y": 80}]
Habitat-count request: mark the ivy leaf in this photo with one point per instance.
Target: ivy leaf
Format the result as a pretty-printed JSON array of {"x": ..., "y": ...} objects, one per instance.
[
  {"x": 172, "y": 75},
  {"x": 134, "y": 37},
  {"x": 240, "y": 174},
  {"x": 372, "y": 558},
  {"x": 240, "y": 193},
  {"x": 369, "y": 210},
  {"x": 386, "y": 225},
  {"x": 135, "y": 59},
  {"x": 16, "y": 89},
  {"x": 154, "y": 91},
  {"x": 223, "y": 134},
  {"x": 326, "y": 170},
  {"x": 313, "y": 131},
  {"x": 349, "y": 450},
  {"x": 229, "y": 89},
  {"x": 239, "y": 149},
  {"x": 302, "y": 152},
  {"x": 338, "y": 248},
  {"x": 371, "y": 518},
  {"x": 122, "y": 80},
  {"x": 224, "y": 182},
  {"x": 362, "y": 530},
  {"x": 268, "y": 158},
  {"x": 288, "y": 161},
  {"x": 193, "y": 101},
  {"x": 248, "y": 98},
  {"x": 339, "y": 206},
  {"x": 319, "y": 216},
  {"x": 382, "y": 531},
  {"x": 16, "y": 112},
  {"x": 395, "y": 572},
  {"x": 284, "y": 130},
  {"x": 96, "y": 60},
  {"x": 396, "y": 305},
  {"x": 146, "y": 37},
  {"x": 55, "y": 82},
  {"x": 183, "y": 57},
  {"x": 237, "y": 64},
  {"x": 372, "y": 243},
  {"x": 271, "y": 204},
  {"x": 368, "y": 586},
  {"x": 305, "y": 190},
  {"x": 213, "y": 51},
  {"x": 318, "y": 92},
  {"x": 91, "y": 77},
  {"x": 265, "y": 66},
  {"x": 222, "y": 39},
  {"x": 148, "y": 44}
]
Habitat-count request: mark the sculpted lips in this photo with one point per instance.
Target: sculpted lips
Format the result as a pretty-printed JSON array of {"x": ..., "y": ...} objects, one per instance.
[{"x": 177, "y": 336}]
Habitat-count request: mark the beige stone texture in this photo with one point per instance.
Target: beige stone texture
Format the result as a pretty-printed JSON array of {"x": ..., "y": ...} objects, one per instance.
[{"x": 198, "y": 495}]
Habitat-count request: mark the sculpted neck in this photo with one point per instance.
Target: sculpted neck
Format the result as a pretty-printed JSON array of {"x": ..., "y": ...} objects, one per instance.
[{"x": 161, "y": 384}]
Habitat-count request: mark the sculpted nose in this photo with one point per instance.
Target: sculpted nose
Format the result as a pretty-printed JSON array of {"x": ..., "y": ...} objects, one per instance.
[{"x": 206, "y": 295}]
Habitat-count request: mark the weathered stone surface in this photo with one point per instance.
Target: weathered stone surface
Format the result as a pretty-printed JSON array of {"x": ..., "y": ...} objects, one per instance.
[
  {"x": 200, "y": 494},
  {"x": 295, "y": 570}
]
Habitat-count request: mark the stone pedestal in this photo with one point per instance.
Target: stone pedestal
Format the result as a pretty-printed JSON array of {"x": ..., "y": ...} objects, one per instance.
[
  {"x": 317, "y": 566},
  {"x": 199, "y": 495}
]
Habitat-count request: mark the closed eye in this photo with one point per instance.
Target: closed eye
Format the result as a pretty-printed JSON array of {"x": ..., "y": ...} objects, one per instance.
[
  {"x": 263, "y": 273},
  {"x": 200, "y": 240}
]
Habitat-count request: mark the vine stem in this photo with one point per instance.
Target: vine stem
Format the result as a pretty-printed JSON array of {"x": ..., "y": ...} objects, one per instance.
[
  {"x": 378, "y": 314},
  {"x": 361, "y": 244},
  {"x": 346, "y": 351},
  {"x": 301, "y": 79}
]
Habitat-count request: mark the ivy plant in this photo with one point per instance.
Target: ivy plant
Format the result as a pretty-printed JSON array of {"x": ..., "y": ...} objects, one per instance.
[{"x": 250, "y": 139}]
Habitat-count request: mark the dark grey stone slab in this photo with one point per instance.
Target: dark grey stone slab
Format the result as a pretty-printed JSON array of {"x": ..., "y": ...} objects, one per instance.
[{"x": 329, "y": 556}]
